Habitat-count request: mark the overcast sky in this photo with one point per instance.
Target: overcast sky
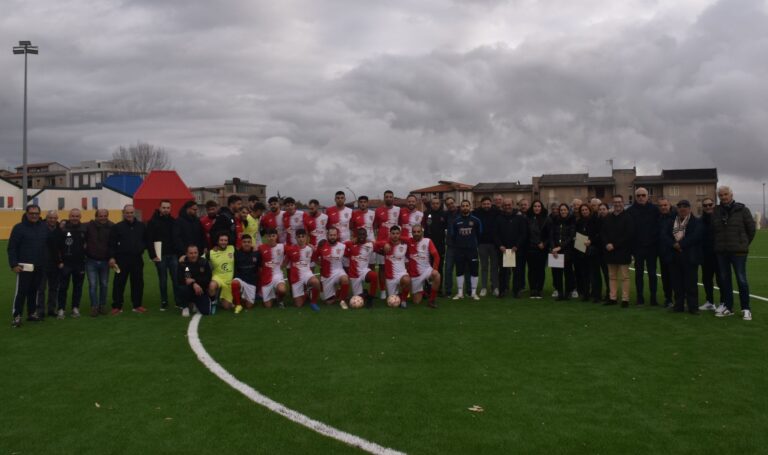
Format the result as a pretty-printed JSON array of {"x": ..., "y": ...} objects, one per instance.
[{"x": 311, "y": 96}]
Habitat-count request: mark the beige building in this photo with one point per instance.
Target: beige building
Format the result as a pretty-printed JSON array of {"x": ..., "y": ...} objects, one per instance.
[
  {"x": 220, "y": 193},
  {"x": 677, "y": 184},
  {"x": 42, "y": 175},
  {"x": 443, "y": 189},
  {"x": 511, "y": 190}
]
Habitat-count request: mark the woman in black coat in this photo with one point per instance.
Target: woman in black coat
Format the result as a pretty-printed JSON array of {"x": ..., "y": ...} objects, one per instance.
[
  {"x": 561, "y": 243},
  {"x": 538, "y": 242},
  {"x": 587, "y": 263}
]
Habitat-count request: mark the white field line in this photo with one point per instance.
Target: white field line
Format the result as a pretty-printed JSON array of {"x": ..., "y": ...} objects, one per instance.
[
  {"x": 274, "y": 406},
  {"x": 758, "y": 297}
]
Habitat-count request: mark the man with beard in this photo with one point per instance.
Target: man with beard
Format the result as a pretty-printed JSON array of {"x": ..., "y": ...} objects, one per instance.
[
  {"x": 293, "y": 220},
  {"x": 435, "y": 223},
  {"x": 330, "y": 255},
  {"x": 511, "y": 233},
  {"x": 359, "y": 252},
  {"x": 385, "y": 217},
  {"x": 667, "y": 215},
  {"x": 127, "y": 242},
  {"x": 192, "y": 282},
  {"x": 211, "y": 210},
  {"x": 160, "y": 230},
  {"x": 339, "y": 216},
  {"x": 273, "y": 219},
  {"x": 49, "y": 275},
  {"x": 410, "y": 217},
  {"x": 421, "y": 268},
  {"x": 465, "y": 232},
  {"x": 70, "y": 246},
  {"x": 226, "y": 221},
  {"x": 395, "y": 254},
  {"x": 316, "y": 224}
]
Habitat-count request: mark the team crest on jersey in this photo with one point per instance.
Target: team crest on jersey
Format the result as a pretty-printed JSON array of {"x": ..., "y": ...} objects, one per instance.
[
  {"x": 202, "y": 269},
  {"x": 471, "y": 223},
  {"x": 225, "y": 267}
]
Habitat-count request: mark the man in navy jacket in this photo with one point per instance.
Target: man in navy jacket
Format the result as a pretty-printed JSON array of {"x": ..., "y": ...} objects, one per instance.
[
  {"x": 682, "y": 248},
  {"x": 27, "y": 256}
]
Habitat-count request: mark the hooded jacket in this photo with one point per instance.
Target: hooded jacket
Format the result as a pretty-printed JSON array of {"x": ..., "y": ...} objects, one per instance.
[
  {"x": 734, "y": 228},
  {"x": 28, "y": 244}
]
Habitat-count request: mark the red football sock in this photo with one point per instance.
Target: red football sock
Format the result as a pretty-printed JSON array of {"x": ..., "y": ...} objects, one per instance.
[
  {"x": 343, "y": 291},
  {"x": 432, "y": 294},
  {"x": 236, "y": 292},
  {"x": 372, "y": 280},
  {"x": 314, "y": 294},
  {"x": 404, "y": 296}
]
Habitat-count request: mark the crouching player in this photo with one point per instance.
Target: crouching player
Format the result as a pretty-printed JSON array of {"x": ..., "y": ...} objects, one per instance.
[
  {"x": 395, "y": 256},
  {"x": 247, "y": 262},
  {"x": 193, "y": 277},
  {"x": 359, "y": 253},
  {"x": 419, "y": 267},
  {"x": 272, "y": 278},
  {"x": 330, "y": 254},
  {"x": 300, "y": 273},
  {"x": 222, "y": 259}
]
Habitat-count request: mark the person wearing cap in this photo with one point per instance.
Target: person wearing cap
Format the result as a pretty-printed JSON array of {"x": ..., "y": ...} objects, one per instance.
[
  {"x": 682, "y": 250},
  {"x": 734, "y": 230}
]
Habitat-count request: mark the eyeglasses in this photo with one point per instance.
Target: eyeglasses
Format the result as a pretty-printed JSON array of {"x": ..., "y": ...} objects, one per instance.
[
  {"x": 642, "y": 195},
  {"x": 707, "y": 205}
]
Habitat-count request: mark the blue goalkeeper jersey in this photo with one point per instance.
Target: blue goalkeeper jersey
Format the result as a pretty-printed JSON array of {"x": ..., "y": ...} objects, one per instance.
[{"x": 465, "y": 231}]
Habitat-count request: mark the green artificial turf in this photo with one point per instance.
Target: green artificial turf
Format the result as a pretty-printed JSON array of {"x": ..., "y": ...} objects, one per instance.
[{"x": 552, "y": 377}]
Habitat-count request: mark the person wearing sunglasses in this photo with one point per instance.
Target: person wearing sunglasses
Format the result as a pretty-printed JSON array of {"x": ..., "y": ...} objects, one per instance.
[
  {"x": 709, "y": 259},
  {"x": 734, "y": 229}
]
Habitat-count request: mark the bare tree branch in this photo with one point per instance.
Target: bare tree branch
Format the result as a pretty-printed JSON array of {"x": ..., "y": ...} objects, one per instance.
[{"x": 140, "y": 158}]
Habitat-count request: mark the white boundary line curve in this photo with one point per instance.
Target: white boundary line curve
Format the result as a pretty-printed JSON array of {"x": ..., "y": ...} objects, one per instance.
[
  {"x": 735, "y": 291},
  {"x": 274, "y": 406}
]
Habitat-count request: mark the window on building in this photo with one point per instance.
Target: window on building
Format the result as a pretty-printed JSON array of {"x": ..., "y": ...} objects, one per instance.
[
  {"x": 2, "y": 202},
  {"x": 673, "y": 190},
  {"x": 701, "y": 190},
  {"x": 600, "y": 192},
  {"x": 61, "y": 203},
  {"x": 10, "y": 202},
  {"x": 95, "y": 203}
]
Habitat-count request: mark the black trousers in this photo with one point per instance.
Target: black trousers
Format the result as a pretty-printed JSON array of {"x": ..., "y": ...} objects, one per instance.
[
  {"x": 645, "y": 260},
  {"x": 49, "y": 278},
  {"x": 27, "y": 285},
  {"x": 567, "y": 273},
  {"x": 709, "y": 273},
  {"x": 186, "y": 295},
  {"x": 133, "y": 270},
  {"x": 589, "y": 282},
  {"x": 684, "y": 276},
  {"x": 537, "y": 264},
  {"x": 666, "y": 280},
  {"x": 75, "y": 273},
  {"x": 604, "y": 274},
  {"x": 517, "y": 273},
  {"x": 466, "y": 261}
]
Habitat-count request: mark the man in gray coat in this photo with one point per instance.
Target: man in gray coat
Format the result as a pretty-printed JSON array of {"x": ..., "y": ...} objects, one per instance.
[{"x": 734, "y": 230}]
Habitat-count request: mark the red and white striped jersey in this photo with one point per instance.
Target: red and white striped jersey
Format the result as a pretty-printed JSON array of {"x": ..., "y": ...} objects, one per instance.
[
  {"x": 394, "y": 261},
  {"x": 300, "y": 259},
  {"x": 292, "y": 223},
  {"x": 330, "y": 257},
  {"x": 363, "y": 219},
  {"x": 359, "y": 255},
  {"x": 384, "y": 218},
  {"x": 340, "y": 218},
  {"x": 408, "y": 220},
  {"x": 418, "y": 257},
  {"x": 316, "y": 226},
  {"x": 271, "y": 262},
  {"x": 274, "y": 221}
]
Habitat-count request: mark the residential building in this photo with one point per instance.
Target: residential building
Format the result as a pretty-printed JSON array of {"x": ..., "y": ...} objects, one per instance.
[
  {"x": 220, "y": 193},
  {"x": 10, "y": 195},
  {"x": 91, "y": 174},
  {"x": 444, "y": 188},
  {"x": 512, "y": 190},
  {"x": 42, "y": 175}
]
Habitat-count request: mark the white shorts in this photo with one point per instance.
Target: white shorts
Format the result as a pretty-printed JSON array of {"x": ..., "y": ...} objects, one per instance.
[
  {"x": 268, "y": 292},
  {"x": 394, "y": 283},
  {"x": 329, "y": 284},
  {"x": 417, "y": 282},
  {"x": 247, "y": 291},
  {"x": 297, "y": 288},
  {"x": 357, "y": 285}
]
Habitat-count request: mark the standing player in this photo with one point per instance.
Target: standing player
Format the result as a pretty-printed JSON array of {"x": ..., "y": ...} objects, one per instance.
[
  {"x": 273, "y": 219},
  {"x": 211, "y": 210},
  {"x": 420, "y": 268},
  {"x": 272, "y": 278},
  {"x": 293, "y": 220},
  {"x": 247, "y": 263},
  {"x": 222, "y": 260},
  {"x": 359, "y": 253},
  {"x": 316, "y": 223},
  {"x": 252, "y": 225},
  {"x": 465, "y": 233},
  {"x": 300, "y": 272},
  {"x": 339, "y": 216},
  {"x": 385, "y": 217},
  {"x": 362, "y": 218},
  {"x": 410, "y": 217},
  {"x": 395, "y": 256},
  {"x": 330, "y": 253}
]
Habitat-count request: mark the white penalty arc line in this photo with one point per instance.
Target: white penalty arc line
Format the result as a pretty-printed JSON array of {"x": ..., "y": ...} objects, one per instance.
[
  {"x": 274, "y": 406},
  {"x": 758, "y": 297}
]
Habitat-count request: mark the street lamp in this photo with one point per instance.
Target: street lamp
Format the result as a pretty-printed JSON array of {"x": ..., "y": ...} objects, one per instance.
[{"x": 25, "y": 47}]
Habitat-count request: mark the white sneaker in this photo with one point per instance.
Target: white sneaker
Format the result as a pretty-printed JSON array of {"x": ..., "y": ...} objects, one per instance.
[
  {"x": 720, "y": 308},
  {"x": 60, "y": 314},
  {"x": 185, "y": 313},
  {"x": 475, "y": 296},
  {"x": 404, "y": 304},
  {"x": 343, "y": 305},
  {"x": 725, "y": 313},
  {"x": 383, "y": 295},
  {"x": 575, "y": 294},
  {"x": 555, "y": 294},
  {"x": 483, "y": 292},
  {"x": 747, "y": 315},
  {"x": 496, "y": 292},
  {"x": 458, "y": 296},
  {"x": 707, "y": 307},
  {"x": 75, "y": 313}
]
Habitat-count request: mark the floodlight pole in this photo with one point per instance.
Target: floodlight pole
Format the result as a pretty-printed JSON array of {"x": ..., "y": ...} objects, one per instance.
[
  {"x": 25, "y": 47},
  {"x": 764, "y": 216}
]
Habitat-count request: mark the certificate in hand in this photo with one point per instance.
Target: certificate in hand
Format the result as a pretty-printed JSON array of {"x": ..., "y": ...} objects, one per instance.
[
  {"x": 509, "y": 259},
  {"x": 556, "y": 262},
  {"x": 580, "y": 244}
]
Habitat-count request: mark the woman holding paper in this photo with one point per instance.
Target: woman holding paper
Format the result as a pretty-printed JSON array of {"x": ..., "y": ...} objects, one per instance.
[
  {"x": 586, "y": 258},
  {"x": 538, "y": 245},
  {"x": 561, "y": 248}
]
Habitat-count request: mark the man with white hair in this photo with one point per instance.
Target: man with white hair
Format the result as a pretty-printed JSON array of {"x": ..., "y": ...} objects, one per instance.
[
  {"x": 70, "y": 249},
  {"x": 734, "y": 230},
  {"x": 645, "y": 218}
]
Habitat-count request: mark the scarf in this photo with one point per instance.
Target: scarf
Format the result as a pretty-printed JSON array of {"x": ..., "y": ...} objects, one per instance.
[{"x": 678, "y": 230}]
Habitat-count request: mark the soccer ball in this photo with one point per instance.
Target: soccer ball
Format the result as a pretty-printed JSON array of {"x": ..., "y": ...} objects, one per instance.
[
  {"x": 393, "y": 301},
  {"x": 356, "y": 302}
]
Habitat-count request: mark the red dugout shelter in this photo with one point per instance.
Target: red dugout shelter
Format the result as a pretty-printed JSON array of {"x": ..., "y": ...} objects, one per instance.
[{"x": 158, "y": 186}]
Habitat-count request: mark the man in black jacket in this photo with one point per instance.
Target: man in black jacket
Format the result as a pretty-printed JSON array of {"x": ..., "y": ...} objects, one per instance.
[
  {"x": 617, "y": 233},
  {"x": 27, "y": 256},
  {"x": 189, "y": 230},
  {"x": 192, "y": 280},
  {"x": 435, "y": 224},
  {"x": 160, "y": 230},
  {"x": 645, "y": 216},
  {"x": 709, "y": 272},
  {"x": 70, "y": 246},
  {"x": 127, "y": 242},
  {"x": 681, "y": 245},
  {"x": 97, "y": 260},
  {"x": 511, "y": 234},
  {"x": 667, "y": 215},
  {"x": 49, "y": 278},
  {"x": 488, "y": 254},
  {"x": 225, "y": 220}
]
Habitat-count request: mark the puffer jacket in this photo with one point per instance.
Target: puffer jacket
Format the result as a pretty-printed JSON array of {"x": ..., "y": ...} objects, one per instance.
[{"x": 734, "y": 228}]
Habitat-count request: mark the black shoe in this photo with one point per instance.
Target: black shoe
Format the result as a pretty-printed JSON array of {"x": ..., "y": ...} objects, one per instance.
[
  {"x": 34, "y": 318},
  {"x": 163, "y": 306},
  {"x": 640, "y": 302},
  {"x": 596, "y": 300},
  {"x": 610, "y": 302},
  {"x": 624, "y": 304}
]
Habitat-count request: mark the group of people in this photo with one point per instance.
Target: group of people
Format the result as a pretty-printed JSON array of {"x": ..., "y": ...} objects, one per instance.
[{"x": 236, "y": 255}]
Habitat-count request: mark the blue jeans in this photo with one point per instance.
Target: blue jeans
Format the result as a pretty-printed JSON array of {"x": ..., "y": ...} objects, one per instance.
[
  {"x": 739, "y": 264},
  {"x": 166, "y": 266},
  {"x": 98, "y": 281}
]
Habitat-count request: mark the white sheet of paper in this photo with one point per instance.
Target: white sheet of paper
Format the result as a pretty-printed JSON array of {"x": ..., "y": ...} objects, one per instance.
[
  {"x": 159, "y": 249},
  {"x": 579, "y": 243},
  {"x": 556, "y": 262},
  {"x": 509, "y": 259},
  {"x": 27, "y": 267}
]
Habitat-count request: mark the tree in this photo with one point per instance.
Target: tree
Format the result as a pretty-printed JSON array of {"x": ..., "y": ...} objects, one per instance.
[{"x": 140, "y": 158}]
